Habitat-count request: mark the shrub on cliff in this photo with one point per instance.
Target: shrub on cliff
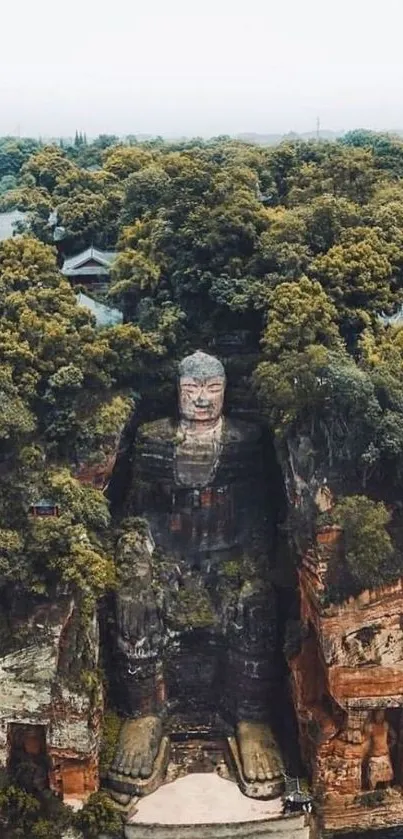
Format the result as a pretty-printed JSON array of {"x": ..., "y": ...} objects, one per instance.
[
  {"x": 38, "y": 554},
  {"x": 368, "y": 545},
  {"x": 24, "y": 815},
  {"x": 19, "y": 810},
  {"x": 99, "y": 816}
]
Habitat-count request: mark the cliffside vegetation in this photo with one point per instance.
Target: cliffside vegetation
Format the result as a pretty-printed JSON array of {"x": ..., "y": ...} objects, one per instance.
[
  {"x": 24, "y": 815},
  {"x": 65, "y": 399},
  {"x": 285, "y": 256}
]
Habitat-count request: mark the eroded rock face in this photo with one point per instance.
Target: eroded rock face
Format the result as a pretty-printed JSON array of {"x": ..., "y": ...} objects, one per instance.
[
  {"x": 346, "y": 659},
  {"x": 96, "y": 474},
  {"x": 347, "y": 682},
  {"x": 360, "y": 640},
  {"x": 46, "y": 713}
]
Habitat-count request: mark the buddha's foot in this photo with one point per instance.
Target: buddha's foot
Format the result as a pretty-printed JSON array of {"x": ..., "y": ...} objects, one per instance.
[
  {"x": 140, "y": 760},
  {"x": 258, "y": 761}
]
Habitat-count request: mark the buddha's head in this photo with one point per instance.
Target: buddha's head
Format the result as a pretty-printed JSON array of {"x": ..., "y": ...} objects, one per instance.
[{"x": 201, "y": 388}]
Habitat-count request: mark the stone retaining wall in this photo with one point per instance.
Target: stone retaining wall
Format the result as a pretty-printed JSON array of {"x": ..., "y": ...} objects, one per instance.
[{"x": 289, "y": 827}]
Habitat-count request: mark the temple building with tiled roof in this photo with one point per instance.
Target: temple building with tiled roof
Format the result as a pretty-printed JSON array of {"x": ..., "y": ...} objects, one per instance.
[{"x": 90, "y": 268}]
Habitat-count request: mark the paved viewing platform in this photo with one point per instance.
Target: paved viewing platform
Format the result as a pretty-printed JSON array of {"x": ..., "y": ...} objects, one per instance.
[{"x": 205, "y": 806}]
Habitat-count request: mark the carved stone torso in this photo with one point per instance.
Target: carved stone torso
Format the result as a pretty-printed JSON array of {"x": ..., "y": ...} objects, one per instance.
[
  {"x": 197, "y": 458},
  {"x": 200, "y": 496}
]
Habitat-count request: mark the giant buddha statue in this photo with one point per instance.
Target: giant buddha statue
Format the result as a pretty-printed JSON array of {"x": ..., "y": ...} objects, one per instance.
[{"x": 195, "y": 621}]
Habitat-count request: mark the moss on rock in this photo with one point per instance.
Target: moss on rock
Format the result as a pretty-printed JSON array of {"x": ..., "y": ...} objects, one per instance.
[{"x": 109, "y": 736}]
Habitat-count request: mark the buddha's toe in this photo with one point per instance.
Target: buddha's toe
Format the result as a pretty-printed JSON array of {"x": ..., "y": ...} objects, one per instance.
[
  {"x": 270, "y": 768},
  {"x": 249, "y": 765},
  {"x": 119, "y": 762},
  {"x": 146, "y": 768},
  {"x": 136, "y": 762}
]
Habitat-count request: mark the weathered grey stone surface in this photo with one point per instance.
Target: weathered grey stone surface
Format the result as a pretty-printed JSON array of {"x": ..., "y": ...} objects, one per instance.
[
  {"x": 285, "y": 828},
  {"x": 41, "y": 661}
]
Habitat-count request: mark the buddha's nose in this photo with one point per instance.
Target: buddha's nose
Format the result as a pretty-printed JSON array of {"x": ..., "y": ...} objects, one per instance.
[{"x": 202, "y": 402}]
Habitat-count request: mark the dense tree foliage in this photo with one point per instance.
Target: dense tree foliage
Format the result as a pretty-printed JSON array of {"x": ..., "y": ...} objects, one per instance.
[
  {"x": 25, "y": 815},
  {"x": 14, "y": 152},
  {"x": 65, "y": 400},
  {"x": 99, "y": 816},
  {"x": 368, "y": 545},
  {"x": 295, "y": 250}
]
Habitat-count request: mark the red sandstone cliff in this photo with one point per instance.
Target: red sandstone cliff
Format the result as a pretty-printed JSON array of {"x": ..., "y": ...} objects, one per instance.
[{"x": 347, "y": 683}]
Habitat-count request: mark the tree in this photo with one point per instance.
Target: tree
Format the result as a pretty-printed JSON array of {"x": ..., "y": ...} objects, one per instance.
[
  {"x": 99, "y": 816},
  {"x": 18, "y": 809},
  {"x": 290, "y": 390},
  {"x": 122, "y": 161},
  {"x": 300, "y": 315},
  {"x": 47, "y": 166},
  {"x": 85, "y": 217},
  {"x": 358, "y": 275},
  {"x": 282, "y": 251},
  {"x": 7, "y": 182},
  {"x": 14, "y": 152},
  {"x": 340, "y": 171},
  {"x": 283, "y": 164},
  {"x": 386, "y": 148},
  {"x": 146, "y": 189},
  {"x": 381, "y": 350},
  {"x": 368, "y": 545},
  {"x": 133, "y": 276},
  {"x": 326, "y": 218},
  {"x": 24, "y": 814},
  {"x": 106, "y": 141},
  {"x": 323, "y": 395}
]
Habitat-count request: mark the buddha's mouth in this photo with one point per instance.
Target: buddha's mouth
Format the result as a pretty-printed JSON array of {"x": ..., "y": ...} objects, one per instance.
[{"x": 203, "y": 412}]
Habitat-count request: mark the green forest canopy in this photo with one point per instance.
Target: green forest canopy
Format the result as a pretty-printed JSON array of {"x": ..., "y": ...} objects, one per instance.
[{"x": 299, "y": 246}]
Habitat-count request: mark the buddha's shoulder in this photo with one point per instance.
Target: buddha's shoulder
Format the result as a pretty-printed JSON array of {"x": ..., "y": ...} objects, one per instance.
[
  {"x": 166, "y": 430},
  {"x": 239, "y": 431},
  {"x": 161, "y": 430}
]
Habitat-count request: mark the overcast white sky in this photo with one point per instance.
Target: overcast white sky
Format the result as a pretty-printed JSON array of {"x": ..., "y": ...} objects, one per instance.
[{"x": 191, "y": 67}]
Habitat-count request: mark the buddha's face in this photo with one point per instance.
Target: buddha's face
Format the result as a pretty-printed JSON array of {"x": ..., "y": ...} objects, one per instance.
[{"x": 201, "y": 400}]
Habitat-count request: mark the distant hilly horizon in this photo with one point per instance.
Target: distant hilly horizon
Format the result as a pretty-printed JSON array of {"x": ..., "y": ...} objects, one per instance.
[
  {"x": 256, "y": 137},
  {"x": 322, "y": 134}
]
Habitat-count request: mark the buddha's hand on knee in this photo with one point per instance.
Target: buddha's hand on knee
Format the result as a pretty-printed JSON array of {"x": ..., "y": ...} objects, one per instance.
[
  {"x": 142, "y": 629},
  {"x": 252, "y": 617}
]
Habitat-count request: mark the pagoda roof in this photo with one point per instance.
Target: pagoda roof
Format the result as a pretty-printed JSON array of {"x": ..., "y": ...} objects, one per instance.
[
  {"x": 83, "y": 263},
  {"x": 104, "y": 315}
]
